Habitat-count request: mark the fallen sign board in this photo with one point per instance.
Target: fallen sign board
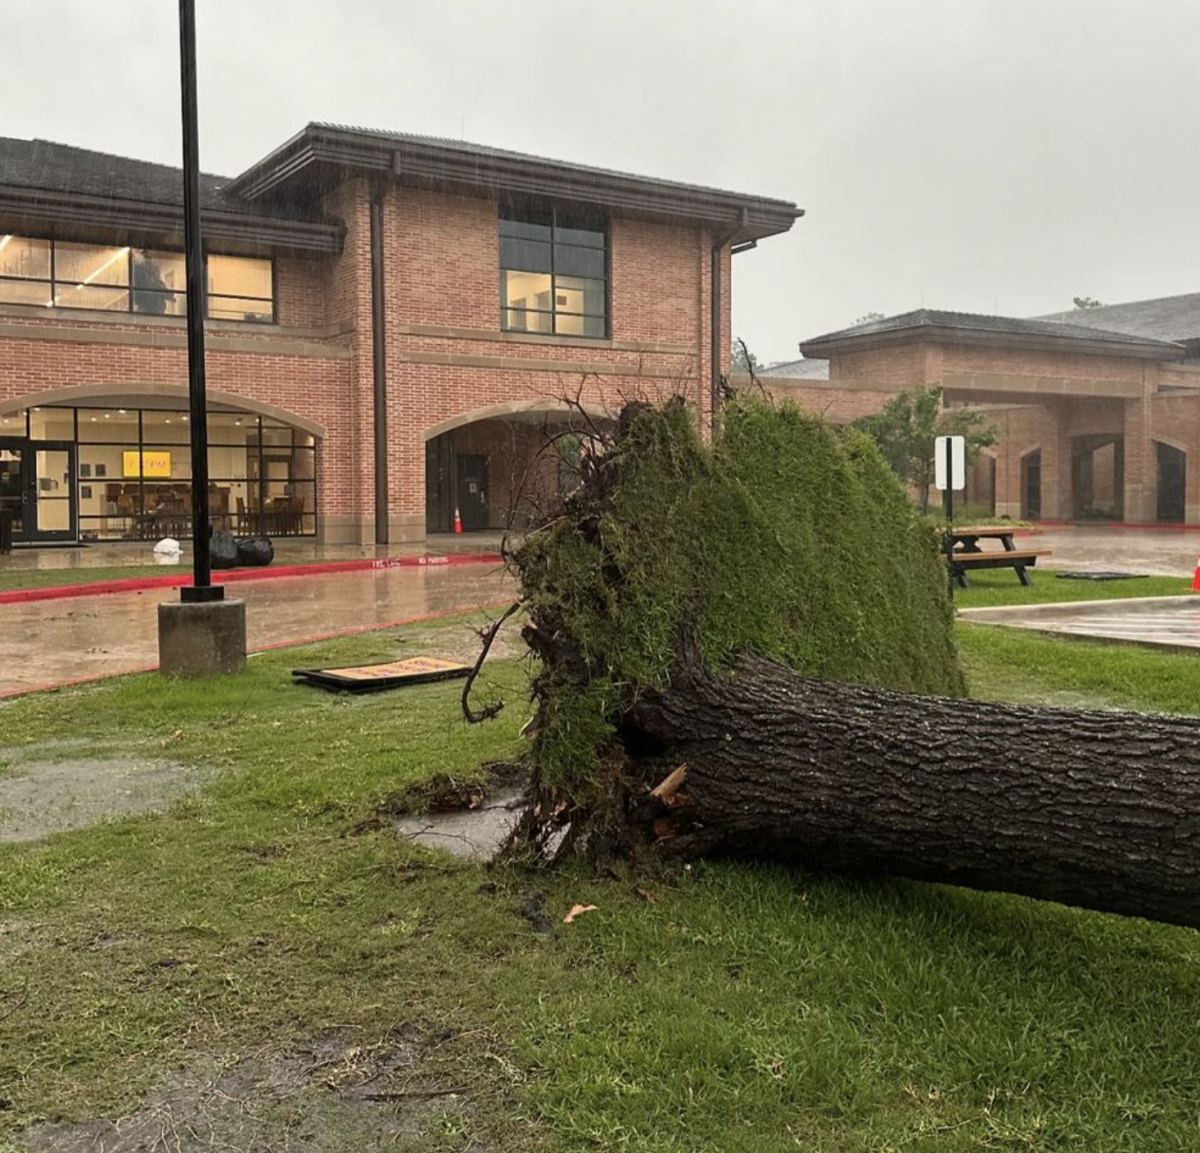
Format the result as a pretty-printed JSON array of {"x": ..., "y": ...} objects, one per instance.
[{"x": 377, "y": 678}]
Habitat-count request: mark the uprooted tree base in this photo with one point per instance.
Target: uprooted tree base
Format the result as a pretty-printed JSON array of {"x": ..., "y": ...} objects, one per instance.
[{"x": 748, "y": 650}]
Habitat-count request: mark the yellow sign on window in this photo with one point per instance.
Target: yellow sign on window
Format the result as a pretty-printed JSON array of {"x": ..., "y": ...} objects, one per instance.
[{"x": 154, "y": 464}]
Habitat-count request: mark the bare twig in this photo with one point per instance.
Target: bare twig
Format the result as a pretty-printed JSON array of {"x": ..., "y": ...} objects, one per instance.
[{"x": 487, "y": 636}]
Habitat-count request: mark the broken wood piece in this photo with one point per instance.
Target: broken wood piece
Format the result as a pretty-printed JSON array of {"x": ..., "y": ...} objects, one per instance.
[{"x": 669, "y": 785}]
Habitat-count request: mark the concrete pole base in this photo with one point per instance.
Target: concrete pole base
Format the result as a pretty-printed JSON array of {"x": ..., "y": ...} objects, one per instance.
[{"x": 200, "y": 640}]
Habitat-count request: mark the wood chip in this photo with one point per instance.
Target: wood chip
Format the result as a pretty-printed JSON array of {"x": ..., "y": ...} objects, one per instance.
[
  {"x": 670, "y": 784},
  {"x": 578, "y": 910}
]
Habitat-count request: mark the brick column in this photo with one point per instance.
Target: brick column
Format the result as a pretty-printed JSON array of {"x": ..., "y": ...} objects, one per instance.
[
  {"x": 1057, "y": 498},
  {"x": 1141, "y": 463}
]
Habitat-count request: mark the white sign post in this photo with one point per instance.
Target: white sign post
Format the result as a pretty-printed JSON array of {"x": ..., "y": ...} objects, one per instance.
[
  {"x": 950, "y": 463},
  {"x": 949, "y": 474}
]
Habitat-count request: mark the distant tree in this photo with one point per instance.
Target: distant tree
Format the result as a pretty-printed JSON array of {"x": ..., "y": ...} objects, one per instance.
[
  {"x": 743, "y": 360},
  {"x": 909, "y": 423},
  {"x": 867, "y": 317},
  {"x": 1086, "y": 302}
]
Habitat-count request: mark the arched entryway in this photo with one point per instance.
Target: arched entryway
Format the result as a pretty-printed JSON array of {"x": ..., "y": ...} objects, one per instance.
[
  {"x": 1172, "y": 483},
  {"x": 1031, "y": 485},
  {"x": 1098, "y": 477},
  {"x": 499, "y": 467},
  {"x": 96, "y": 466}
]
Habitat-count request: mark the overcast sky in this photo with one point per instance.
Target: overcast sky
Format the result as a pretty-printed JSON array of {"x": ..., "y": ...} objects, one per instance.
[{"x": 981, "y": 155}]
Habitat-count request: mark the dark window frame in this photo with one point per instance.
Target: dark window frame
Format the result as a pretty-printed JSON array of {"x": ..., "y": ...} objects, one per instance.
[
  {"x": 55, "y": 286},
  {"x": 539, "y": 214},
  {"x": 255, "y": 445}
]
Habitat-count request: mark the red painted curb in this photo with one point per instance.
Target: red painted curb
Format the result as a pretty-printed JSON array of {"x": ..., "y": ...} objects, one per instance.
[
  {"x": 177, "y": 580},
  {"x": 358, "y": 630}
]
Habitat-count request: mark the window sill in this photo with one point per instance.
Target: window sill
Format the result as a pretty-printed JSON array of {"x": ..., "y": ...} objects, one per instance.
[
  {"x": 554, "y": 340},
  {"x": 103, "y": 316}
]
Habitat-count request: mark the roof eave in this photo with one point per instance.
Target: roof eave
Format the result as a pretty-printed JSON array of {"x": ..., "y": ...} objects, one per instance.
[
  {"x": 824, "y": 347},
  {"x": 59, "y": 208},
  {"x": 754, "y": 218}
]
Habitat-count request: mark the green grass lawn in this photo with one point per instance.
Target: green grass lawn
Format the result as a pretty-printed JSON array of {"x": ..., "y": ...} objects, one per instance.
[
  {"x": 747, "y": 1008},
  {"x": 1001, "y": 587}
]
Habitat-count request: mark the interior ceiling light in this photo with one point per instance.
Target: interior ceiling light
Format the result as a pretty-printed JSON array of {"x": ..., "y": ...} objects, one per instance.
[{"x": 4, "y": 241}]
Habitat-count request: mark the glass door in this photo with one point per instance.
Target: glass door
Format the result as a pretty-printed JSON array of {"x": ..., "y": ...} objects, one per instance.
[
  {"x": 52, "y": 480},
  {"x": 14, "y": 486}
]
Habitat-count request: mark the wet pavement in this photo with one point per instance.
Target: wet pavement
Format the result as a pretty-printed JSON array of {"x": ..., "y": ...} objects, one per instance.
[
  {"x": 1162, "y": 622},
  {"x": 292, "y": 551},
  {"x": 1153, "y": 551},
  {"x": 47, "y": 643}
]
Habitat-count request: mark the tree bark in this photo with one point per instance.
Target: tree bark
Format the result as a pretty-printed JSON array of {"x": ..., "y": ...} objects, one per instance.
[{"x": 1100, "y": 810}]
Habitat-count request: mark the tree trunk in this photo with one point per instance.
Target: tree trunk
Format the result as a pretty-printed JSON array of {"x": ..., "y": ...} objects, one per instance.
[{"x": 1100, "y": 810}]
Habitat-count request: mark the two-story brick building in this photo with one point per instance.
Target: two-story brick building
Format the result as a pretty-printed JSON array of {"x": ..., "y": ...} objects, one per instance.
[
  {"x": 1097, "y": 410},
  {"x": 392, "y": 322}
]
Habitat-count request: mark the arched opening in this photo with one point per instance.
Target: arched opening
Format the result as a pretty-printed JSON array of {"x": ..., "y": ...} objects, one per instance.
[
  {"x": 1172, "y": 483},
  {"x": 1098, "y": 477},
  {"x": 501, "y": 471},
  {"x": 1031, "y": 485},
  {"x": 94, "y": 467},
  {"x": 979, "y": 499}
]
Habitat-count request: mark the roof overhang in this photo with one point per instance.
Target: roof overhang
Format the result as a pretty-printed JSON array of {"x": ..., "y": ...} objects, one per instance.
[
  {"x": 41, "y": 210},
  {"x": 842, "y": 343},
  {"x": 320, "y": 158}
]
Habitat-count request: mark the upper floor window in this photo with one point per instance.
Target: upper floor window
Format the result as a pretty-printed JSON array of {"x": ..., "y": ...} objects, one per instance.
[
  {"x": 553, "y": 272},
  {"x": 62, "y": 274}
]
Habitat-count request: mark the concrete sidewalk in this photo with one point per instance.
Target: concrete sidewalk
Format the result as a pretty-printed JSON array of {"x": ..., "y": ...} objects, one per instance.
[{"x": 51, "y": 643}]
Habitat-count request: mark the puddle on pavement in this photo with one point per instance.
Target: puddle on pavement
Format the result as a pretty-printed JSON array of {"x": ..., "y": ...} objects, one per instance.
[
  {"x": 475, "y": 834},
  {"x": 42, "y": 797}
]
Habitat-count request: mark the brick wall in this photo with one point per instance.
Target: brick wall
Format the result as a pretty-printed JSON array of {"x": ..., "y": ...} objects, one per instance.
[{"x": 447, "y": 359}]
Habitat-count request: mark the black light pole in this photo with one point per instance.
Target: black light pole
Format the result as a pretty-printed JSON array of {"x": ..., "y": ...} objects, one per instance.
[{"x": 202, "y": 587}]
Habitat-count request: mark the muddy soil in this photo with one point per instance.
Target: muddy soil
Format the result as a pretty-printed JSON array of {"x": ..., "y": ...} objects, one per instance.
[
  {"x": 42, "y": 796},
  {"x": 323, "y": 1096}
]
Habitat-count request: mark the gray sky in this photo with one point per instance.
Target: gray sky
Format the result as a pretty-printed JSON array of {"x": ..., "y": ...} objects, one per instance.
[{"x": 983, "y": 155}]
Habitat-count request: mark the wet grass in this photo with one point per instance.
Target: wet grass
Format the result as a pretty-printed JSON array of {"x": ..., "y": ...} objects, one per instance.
[
  {"x": 1001, "y": 587},
  {"x": 1016, "y": 665},
  {"x": 745, "y": 1008}
]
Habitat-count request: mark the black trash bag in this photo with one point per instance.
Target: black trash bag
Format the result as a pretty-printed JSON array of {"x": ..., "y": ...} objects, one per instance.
[
  {"x": 222, "y": 549},
  {"x": 255, "y": 550}
]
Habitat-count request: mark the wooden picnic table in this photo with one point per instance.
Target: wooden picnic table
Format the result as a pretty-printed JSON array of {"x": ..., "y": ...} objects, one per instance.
[{"x": 967, "y": 554}]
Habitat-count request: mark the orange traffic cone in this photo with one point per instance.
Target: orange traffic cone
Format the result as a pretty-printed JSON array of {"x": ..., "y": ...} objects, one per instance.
[
  {"x": 1196, "y": 578},
  {"x": 458, "y": 530}
]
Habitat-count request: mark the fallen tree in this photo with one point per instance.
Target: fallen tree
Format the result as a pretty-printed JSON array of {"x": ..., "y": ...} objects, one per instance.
[{"x": 748, "y": 649}]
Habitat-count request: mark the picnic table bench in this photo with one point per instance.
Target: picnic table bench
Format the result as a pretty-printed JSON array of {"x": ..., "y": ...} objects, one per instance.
[{"x": 967, "y": 553}]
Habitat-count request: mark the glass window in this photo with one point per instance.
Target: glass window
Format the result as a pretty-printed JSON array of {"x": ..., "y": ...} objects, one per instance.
[
  {"x": 91, "y": 264},
  {"x": 91, "y": 296},
  {"x": 166, "y": 428},
  {"x": 65, "y": 274},
  {"x": 52, "y": 423},
  {"x": 526, "y": 320},
  {"x": 239, "y": 276},
  {"x": 25, "y": 292},
  {"x": 159, "y": 280},
  {"x": 239, "y": 308},
  {"x": 27, "y": 259},
  {"x": 108, "y": 426},
  {"x": 567, "y": 325},
  {"x": 553, "y": 272},
  {"x": 529, "y": 255}
]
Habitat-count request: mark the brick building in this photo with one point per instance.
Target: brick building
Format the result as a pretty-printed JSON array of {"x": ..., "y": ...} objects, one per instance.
[
  {"x": 1098, "y": 410},
  {"x": 393, "y": 321}
]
